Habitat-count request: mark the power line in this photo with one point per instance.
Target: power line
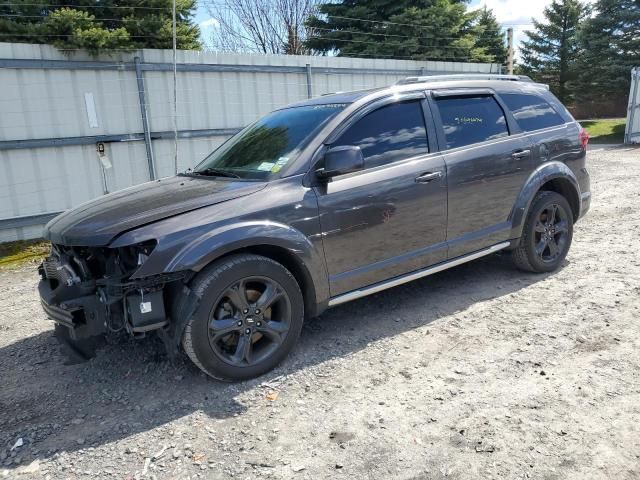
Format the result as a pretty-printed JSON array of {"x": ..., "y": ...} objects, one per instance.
[
  {"x": 65, "y": 36},
  {"x": 385, "y": 35},
  {"x": 101, "y": 19},
  {"x": 45, "y": 17},
  {"x": 69, "y": 5},
  {"x": 386, "y": 22}
]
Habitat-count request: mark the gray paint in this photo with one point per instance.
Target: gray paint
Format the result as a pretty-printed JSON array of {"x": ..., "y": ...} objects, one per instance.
[{"x": 359, "y": 232}]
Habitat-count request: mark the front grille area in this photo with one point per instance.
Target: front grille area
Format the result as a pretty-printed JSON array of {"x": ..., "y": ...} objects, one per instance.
[{"x": 89, "y": 290}]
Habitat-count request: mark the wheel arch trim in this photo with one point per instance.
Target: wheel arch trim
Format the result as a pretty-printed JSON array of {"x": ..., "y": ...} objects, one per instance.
[
  {"x": 265, "y": 238},
  {"x": 545, "y": 174}
]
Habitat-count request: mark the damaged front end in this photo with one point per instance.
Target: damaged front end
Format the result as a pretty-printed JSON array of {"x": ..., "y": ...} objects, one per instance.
[{"x": 91, "y": 291}]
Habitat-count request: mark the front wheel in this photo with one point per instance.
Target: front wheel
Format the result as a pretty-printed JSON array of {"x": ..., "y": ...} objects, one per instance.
[
  {"x": 547, "y": 234},
  {"x": 249, "y": 317}
]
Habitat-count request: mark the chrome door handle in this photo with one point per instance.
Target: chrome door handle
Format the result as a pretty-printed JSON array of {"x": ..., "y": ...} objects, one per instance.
[
  {"x": 520, "y": 154},
  {"x": 428, "y": 177}
]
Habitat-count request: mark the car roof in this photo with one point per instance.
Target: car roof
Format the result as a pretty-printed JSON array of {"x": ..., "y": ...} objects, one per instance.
[
  {"x": 336, "y": 98},
  {"x": 499, "y": 85}
]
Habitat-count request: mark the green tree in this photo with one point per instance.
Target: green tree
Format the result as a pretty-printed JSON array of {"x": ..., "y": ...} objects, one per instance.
[
  {"x": 98, "y": 25},
  {"x": 418, "y": 30},
  {"x": 75, "y": 29},
  {"x": 489, "y": 35},
  {"x": 610, "y": 47},
  {"x": 550, "y": 52}
]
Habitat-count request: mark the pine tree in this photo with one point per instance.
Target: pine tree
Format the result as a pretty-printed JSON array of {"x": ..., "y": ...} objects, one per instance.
[
  {"x": 489, "y": 35},
  {"x": 610, "y": 47},
  {"x": 98, "y": 25},
  {"x": 417, "y": 30},
  {"x": 549, "y": 54}
]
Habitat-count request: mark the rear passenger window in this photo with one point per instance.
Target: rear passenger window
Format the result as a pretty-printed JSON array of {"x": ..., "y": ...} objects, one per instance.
[
  {"x": 468, "y": 120},
  {"x": 531, "y": 111},
  {"x": 391, "y": 133}
]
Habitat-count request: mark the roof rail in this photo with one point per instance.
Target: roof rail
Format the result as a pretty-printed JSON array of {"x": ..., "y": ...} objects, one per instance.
[{"x": 464, "y": 76}]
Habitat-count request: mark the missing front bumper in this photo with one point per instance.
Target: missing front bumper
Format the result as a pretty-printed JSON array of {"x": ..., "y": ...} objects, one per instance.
[{"x": 84, "y": 315}]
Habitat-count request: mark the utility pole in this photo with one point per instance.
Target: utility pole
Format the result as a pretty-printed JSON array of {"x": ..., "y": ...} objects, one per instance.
[
  {"x": 510, "y": 51},
  {"x": 175, "y": 92}
]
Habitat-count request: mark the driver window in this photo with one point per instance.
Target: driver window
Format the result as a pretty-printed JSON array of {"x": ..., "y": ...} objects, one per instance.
[{"x": 391, "y": 133}]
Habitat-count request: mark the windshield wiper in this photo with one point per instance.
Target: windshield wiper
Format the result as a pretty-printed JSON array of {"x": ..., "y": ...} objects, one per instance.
[{"x": 214, "y": 172}]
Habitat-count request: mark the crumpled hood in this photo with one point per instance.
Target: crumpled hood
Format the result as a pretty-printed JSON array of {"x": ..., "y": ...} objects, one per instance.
[{"x": 98, "y": 222}]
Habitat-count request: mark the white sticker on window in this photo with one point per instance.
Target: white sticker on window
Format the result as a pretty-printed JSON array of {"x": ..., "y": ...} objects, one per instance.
[
  {"x": 266, "y": 166},
  {"x": 282, "y": 161}
]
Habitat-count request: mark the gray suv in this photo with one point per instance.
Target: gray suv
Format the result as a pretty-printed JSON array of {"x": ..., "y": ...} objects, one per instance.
[{"x": 317, "y": 204}]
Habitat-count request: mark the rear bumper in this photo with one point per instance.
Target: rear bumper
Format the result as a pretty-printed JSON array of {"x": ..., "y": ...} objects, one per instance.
[
  {"x": 586, "y": 203},
  {"x": 584, "y": 182}
]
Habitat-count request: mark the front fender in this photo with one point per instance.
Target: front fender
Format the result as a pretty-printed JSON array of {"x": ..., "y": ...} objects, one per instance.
[
  {"x": 544, "y": 173},
  {"x": 228, "y": 238}
]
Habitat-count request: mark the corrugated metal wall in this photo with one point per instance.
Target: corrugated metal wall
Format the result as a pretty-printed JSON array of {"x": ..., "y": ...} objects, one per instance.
[
  {"x": 632, "y": 132},
  {"x": 48, "y": 98}
]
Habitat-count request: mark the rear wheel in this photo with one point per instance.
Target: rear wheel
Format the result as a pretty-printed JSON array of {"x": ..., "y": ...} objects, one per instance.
[
  {"x": 249, "y": 317},
  {"x": 547, "y": 234}
]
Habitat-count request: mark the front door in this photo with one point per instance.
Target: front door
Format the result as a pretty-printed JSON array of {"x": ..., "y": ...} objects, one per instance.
[
  {"x": 488, "y": 162},
  {"x": 390, "y": 218}
]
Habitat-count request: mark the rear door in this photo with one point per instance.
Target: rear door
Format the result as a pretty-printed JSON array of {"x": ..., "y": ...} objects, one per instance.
[
  {"x": 553, "y": 136},
  {"x": 389, "y": 218},
  {"x": 488, "y": 160}
]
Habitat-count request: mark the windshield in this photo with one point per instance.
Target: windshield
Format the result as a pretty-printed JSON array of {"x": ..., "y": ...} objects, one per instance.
[{"x": 267, "y": 146}]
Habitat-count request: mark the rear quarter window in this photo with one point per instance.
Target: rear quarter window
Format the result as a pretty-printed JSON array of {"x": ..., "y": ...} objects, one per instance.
[{"x": 531, "y": 111}]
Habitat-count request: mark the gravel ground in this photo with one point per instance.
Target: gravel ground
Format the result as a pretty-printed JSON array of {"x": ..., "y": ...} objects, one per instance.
[{"x": 477, "y": 372}]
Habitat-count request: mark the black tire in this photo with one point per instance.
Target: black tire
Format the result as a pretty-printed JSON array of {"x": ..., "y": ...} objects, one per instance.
[
  {"x": 547, "y": 234},
  {"x": 230, "y": 343}
]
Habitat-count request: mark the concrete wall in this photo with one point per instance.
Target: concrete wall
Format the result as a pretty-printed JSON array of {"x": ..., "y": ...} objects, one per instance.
[{"x": 55, "y": 108}]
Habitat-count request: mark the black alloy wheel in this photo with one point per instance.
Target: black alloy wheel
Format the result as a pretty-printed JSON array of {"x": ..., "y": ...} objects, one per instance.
[
  {"x": 551, "y": 232},
  {"x": 248, "y": 317},
  {"x": 249, "y": 321},
  {"x": 546, "y": 235}
]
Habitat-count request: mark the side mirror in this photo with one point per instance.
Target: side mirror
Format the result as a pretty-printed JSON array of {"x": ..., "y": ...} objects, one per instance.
[{"x": 341, "y": 160}]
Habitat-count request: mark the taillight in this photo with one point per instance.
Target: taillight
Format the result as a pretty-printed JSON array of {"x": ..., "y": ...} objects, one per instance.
[{"x": 584, "y": 138}]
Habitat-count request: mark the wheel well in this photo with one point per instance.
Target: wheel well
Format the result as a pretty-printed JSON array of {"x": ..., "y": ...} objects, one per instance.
[
  {"x": 291, "y": 263},
  {"x": 567, "y": 190}
]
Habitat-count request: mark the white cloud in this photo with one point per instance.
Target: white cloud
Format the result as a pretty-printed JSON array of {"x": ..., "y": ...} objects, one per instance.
[{"x": 209, "y": 23}]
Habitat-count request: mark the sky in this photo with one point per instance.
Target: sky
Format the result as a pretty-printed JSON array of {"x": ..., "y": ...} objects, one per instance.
[
  {"x": 516, "y": 14},
  {"x": 510, "y": 13}
]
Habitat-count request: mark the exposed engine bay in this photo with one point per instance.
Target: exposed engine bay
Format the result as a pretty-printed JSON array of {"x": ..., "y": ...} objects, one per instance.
[{"x": 90, "y": 292}]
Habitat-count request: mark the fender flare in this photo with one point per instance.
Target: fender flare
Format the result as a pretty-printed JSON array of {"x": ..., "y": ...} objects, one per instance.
[
  {"x": 541, "y": 175},
  {"x": 226, "y": 239}
]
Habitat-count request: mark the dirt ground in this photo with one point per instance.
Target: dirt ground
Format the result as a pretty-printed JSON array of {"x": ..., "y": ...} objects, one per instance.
[{"x": 477, "y": 372}]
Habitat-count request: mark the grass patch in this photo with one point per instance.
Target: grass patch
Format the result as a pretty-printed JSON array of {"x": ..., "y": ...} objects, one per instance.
[
  {"x": 610, "y": 130},
  {"x": 22, "y": 251}
]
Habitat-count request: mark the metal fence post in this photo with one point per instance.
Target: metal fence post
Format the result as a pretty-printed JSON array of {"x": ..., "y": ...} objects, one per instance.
[
  {"x": 145, "y": 120},
  {"x": 309, "y": 89},
  {"x": 633, "y": 104}
]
